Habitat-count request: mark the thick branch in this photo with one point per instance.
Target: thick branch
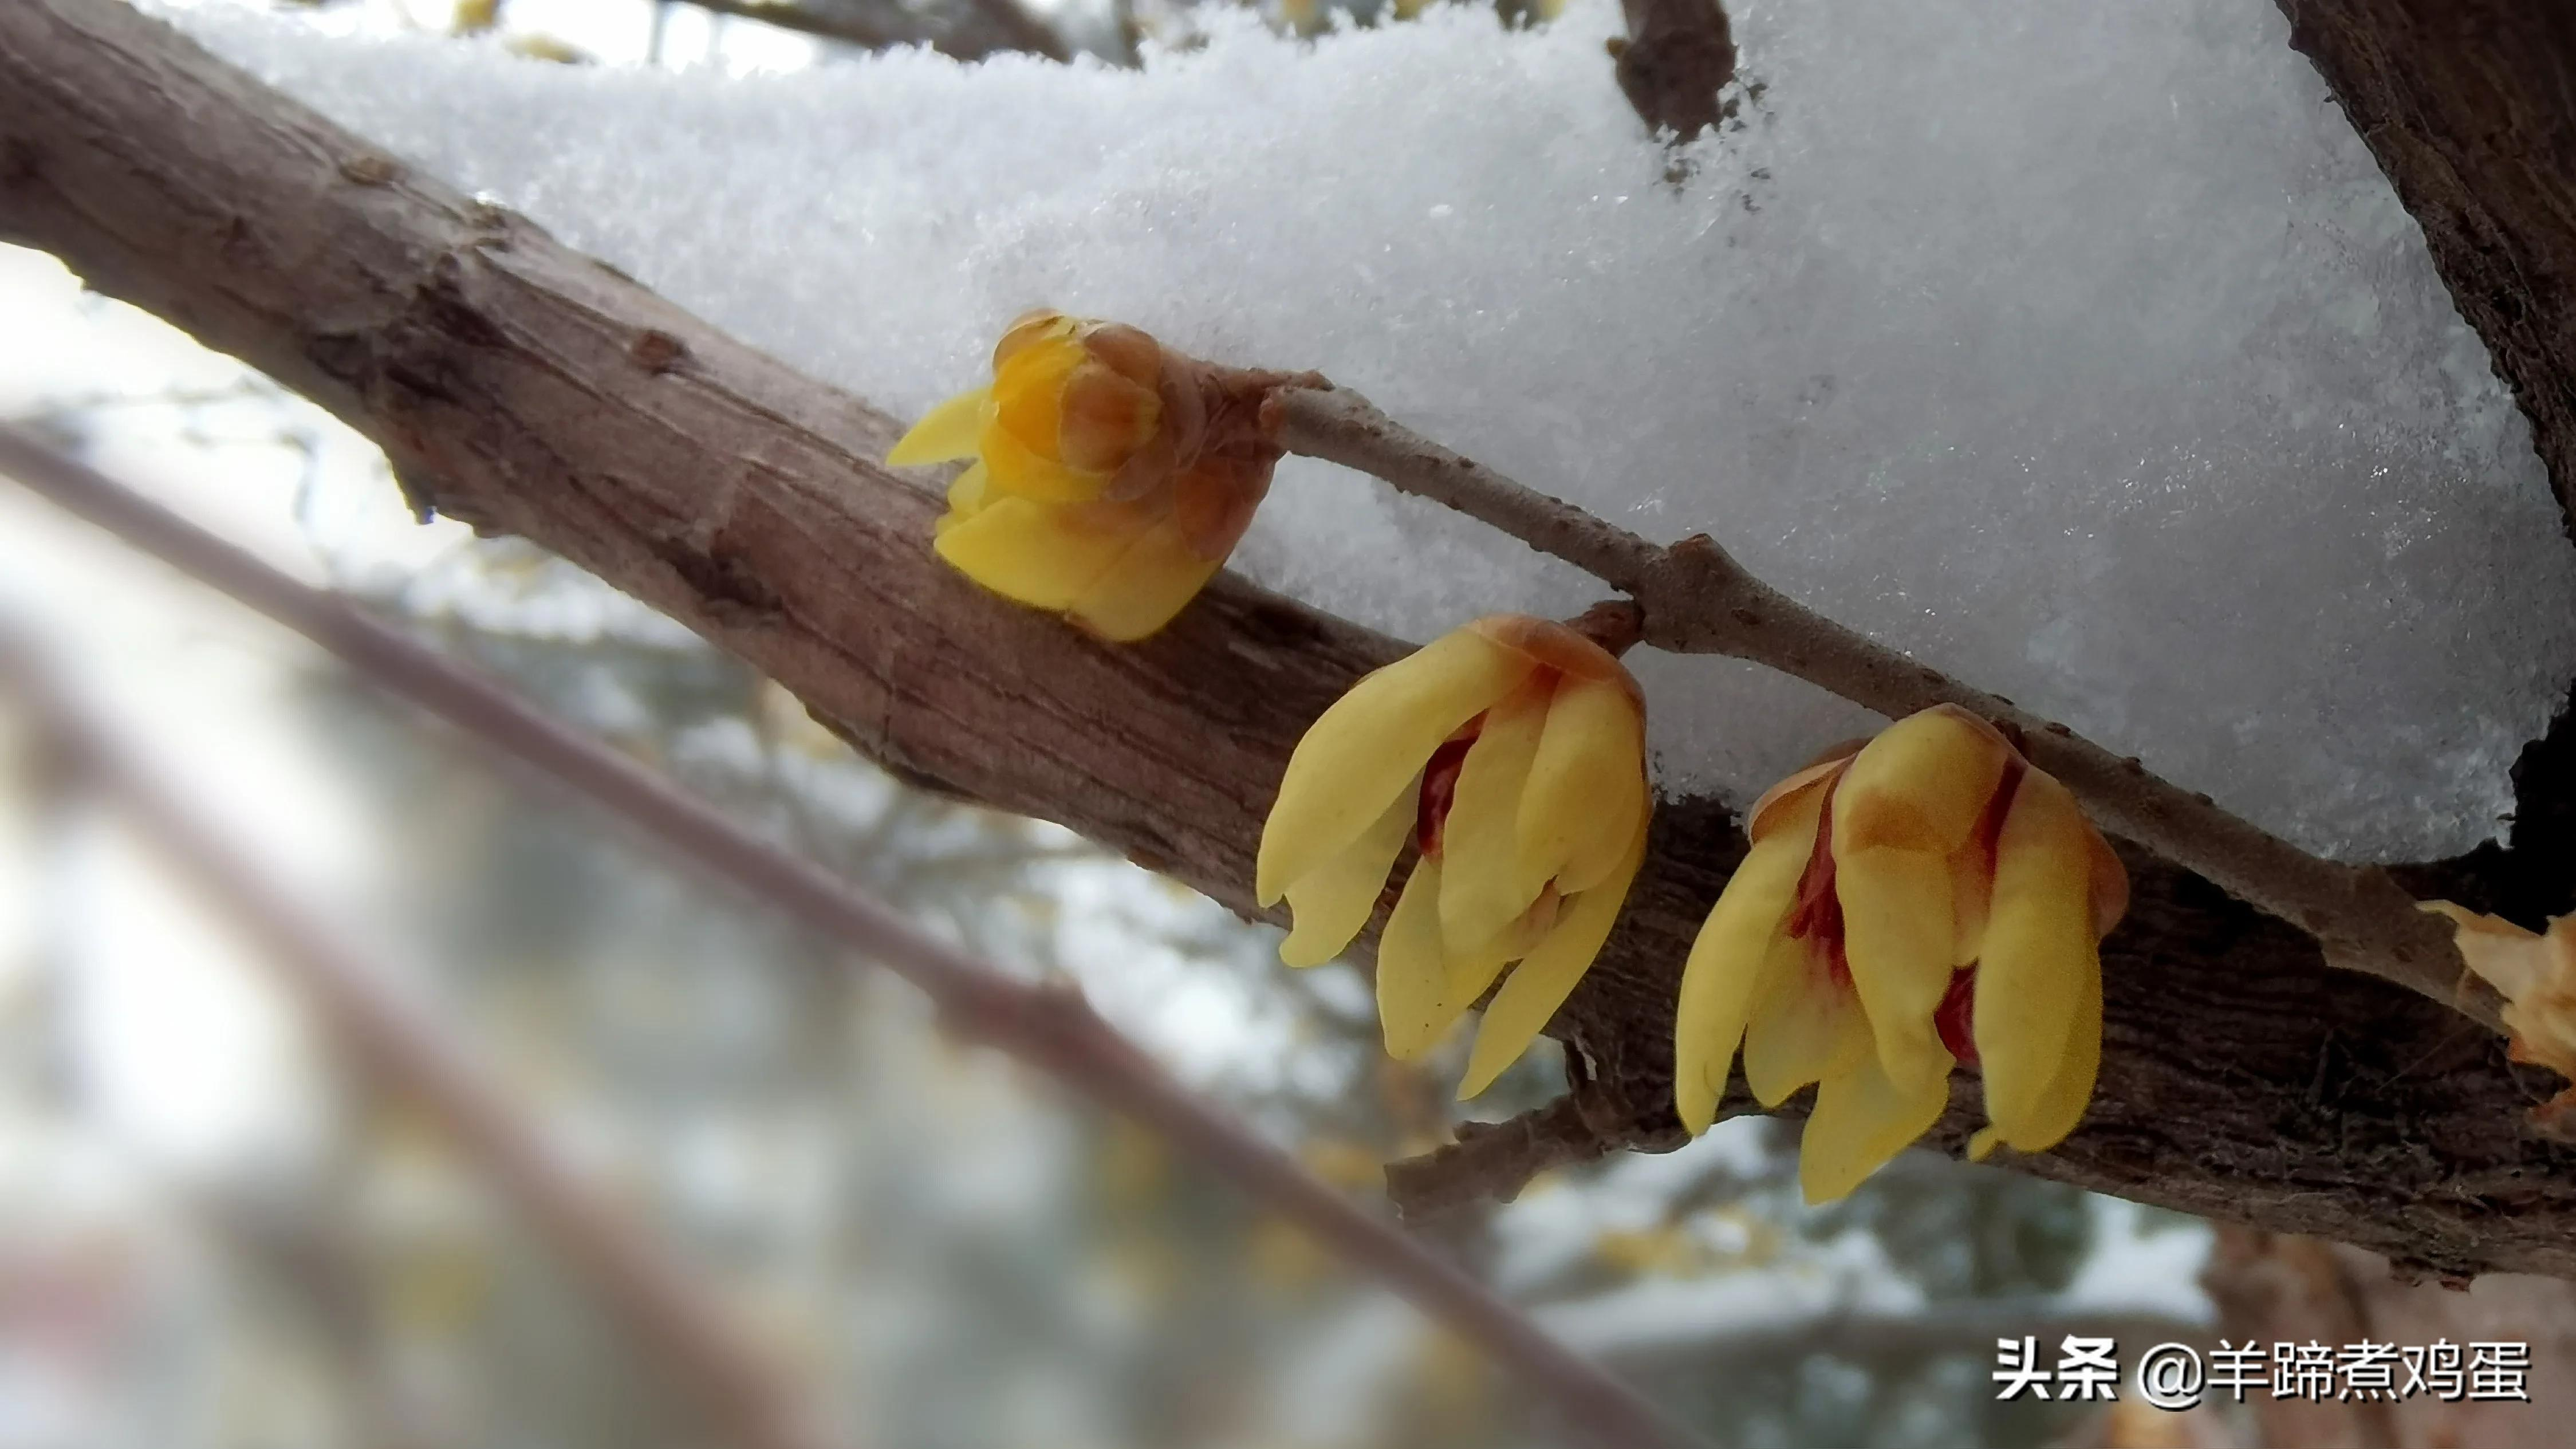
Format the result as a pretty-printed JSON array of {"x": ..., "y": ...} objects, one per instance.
[
  {"x": 1050, "y": 1028},
  {"x": 1698, "y": 600},
  {"x": 534, "y": 391},
  {"x": 2470, "y": 106}
]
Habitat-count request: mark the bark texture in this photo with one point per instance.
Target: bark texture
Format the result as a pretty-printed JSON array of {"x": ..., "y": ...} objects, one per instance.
[
  {"x": 531, "y": 390},
  {"x": 2467, "y": 105},
  {"x": 1677, "y": 56}
]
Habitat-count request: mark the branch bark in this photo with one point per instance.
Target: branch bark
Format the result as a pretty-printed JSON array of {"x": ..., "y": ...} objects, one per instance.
[
  {"x": 975, "y": 30},
  {"x": 675, "y": 1317},
  {"x": 2467, "y": 104},
  {"x": 1676, "y": 57},
  {"x": 534, "y": 391},
  {"x": 1050, "y": 1028}
]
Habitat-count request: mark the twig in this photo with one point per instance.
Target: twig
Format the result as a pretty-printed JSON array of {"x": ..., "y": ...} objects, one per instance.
[
  {"x": 1488, "y": 1162},
  {"x": 1493, "y": 1162},
  {"x": 1051, "y": 1028},
  {"x": 674, "y": 1314},
  {"x": 1698, "y": 600},
  {"x": 996, "y": 26},
  {"x": 1020, "y": 29}
]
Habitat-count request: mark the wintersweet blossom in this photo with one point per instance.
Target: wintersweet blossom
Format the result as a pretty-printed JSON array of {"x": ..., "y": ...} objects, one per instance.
[
  {"x": 1512, "y": 753},
  {"x": 1924, "y": 899},
  {"x": 1111, "y": 476},
  {"x": 2536, "y": 971}
]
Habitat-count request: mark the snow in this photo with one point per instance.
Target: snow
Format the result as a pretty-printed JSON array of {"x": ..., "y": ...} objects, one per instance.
[{"x": 2074, "y": 345}]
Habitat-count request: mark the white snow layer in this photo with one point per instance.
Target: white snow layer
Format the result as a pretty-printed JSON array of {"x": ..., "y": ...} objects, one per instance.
[{"x": 2076, "y": 346}]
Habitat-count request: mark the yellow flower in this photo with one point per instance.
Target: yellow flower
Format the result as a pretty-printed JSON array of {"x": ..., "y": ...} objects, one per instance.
[
  {"x": 2537, "y": 974},
  {"x": 1099, "y": 489},
  {"x": 1926, "y": 899},
  {"x": 1512, "y": 752}
]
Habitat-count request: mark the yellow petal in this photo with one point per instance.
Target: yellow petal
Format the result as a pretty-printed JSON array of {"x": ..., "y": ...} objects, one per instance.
[
  {"x": 1806, "y": 1026},
  {"x": 1971, "y": 897},
  {"x": 1472, "y": 972},
  {"x": 947, "y": 431},
  {"x": 1627, "y": 803},
  {"x": 1021, "y": 471},
  {"x": 1027, "y": 551},
  {"x": 1770, "y": 810},
  {"x": 2039, "y": 951},
  {"x": 1557, "y": 646},
  {"x": 1921, "y": 785},
  {"x": 1726, "y": 972},
  {"x": 1036, "y": 325},
  {"x": 2536, "y": 972},
  {"x": 1333, "y": 905},
  {"x": 1540, "y": 984},
  {"x": 1373, "y": 740},
  {"x": 2513, "y": 960},
  {"x": 1585, "y": 783},
  {"x": 1152, "y": 581},
  {"x": 2070, "y": 1088},
  {"x": 1415, "y": 1004},
  {"x": 1862, "y": 1119},
  {"x": 1029, "y": 389},
  {"x": 1481, "y": 889},
  {"x": 967, "y": 491},
  {"x": 1898, "y": 935}
]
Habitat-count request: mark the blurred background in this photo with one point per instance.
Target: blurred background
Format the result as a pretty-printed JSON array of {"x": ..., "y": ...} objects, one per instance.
[{"x": 218, "y": 1230}]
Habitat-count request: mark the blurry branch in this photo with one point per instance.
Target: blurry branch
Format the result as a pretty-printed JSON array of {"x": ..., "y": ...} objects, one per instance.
[
  {"x": 312, "y": 1261},
  {"x": 1026, "y": 31},
  {"x": 1696, "y": 599},
  {"x": 1048, "y": 1027},
  {"x": 676, "y": 1317},
  {"x": 527, "y": 389},
  {"x": 973, "y": 30}
]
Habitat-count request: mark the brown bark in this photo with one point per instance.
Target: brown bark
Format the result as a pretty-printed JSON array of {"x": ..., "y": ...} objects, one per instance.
[
  {"x": 970, "y": 31},
  {"x": 534, "y": 391},
  {"x": 1677, "y": 56},
  {"x": 1041, "y": 1025},
  {"x": 2467, "y": 104}
]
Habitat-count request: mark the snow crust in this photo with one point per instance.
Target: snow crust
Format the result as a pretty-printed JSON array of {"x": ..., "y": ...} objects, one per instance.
[{"x": 2076, "y": 346}]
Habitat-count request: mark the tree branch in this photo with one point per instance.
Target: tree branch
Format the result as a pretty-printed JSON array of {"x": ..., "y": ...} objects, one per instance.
[
  {"x": 2470, "y": 108},
  {"x": 533, "y": 391},
  {"x": 1698, "y": 600},
  {"x": 989, "y": 27},
  {"x": 1048, "y": 1027},
  {"x": 675, "y": 1316}
]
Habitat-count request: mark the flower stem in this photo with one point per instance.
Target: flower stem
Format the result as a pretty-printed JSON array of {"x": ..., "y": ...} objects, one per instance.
[{"x": 1694, "y": 598}]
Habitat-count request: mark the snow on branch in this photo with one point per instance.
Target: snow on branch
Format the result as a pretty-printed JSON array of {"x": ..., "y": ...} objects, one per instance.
[{"x": 525, "y": 387}]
